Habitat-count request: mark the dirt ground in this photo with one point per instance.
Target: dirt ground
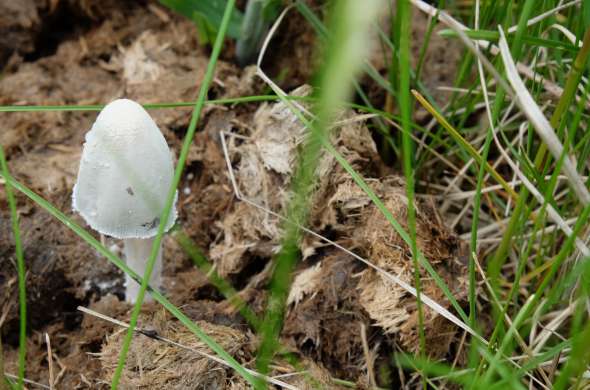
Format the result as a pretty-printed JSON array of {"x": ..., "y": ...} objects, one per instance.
[{"x": 344, "y": 319}]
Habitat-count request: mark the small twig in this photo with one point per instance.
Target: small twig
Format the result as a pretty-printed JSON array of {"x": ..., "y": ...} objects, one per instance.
[
  {"x": 27, "y": 381},
  {"x": 545, "y": 15},
  {"x": 49, "y": 361},
  {"x": 553, "y": 367},
  {"x": 368, "y": 357},
  {"x": 61, "y": 372}
]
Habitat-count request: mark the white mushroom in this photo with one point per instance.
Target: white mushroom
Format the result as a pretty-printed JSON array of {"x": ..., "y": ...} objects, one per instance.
[{"x": 125, "y": 174}]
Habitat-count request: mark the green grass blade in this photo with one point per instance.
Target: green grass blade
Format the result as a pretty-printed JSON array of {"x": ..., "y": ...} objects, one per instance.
[
  {"x": 403, "y": 16},
  {"x": 324, "y": 33},
  {"x": 430, "y": 368},
  {"x": 578, "y": 360},
  {"x": 22, "y": 294},
  {"x": 149, "y": 106},
  {"x": 344, "y": 57},
  {"x": 520, "y": 318}
]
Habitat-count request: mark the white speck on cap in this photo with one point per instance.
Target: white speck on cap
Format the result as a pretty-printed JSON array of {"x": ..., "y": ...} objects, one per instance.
[{"x": 125, "y": 173}]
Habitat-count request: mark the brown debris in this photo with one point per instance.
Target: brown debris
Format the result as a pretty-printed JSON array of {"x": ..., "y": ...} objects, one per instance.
[
  {"x": 391, "y": 307},
  {"x": 322, "y": 312},
  {"x": 324, "y": 325},
  {"x": 153, "y": 364},
  {"x": 386, "y": 249},
  {"x": 19, "y": 25},
  {"x": 309, "y": 376},
  {"x": 264, "y": 164}
]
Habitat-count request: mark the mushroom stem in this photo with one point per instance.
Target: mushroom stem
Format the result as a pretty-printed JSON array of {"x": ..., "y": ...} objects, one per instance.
[{"x": 137, "y": 251}]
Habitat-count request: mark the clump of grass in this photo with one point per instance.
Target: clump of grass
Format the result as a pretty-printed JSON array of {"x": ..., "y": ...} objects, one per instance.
[{"x": 513, "y": 273}]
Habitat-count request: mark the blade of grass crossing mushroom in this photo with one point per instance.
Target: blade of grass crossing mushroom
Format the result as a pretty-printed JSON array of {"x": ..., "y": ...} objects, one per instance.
[
  {"x": 167, "y": 209},
  {"x": 540, "y": 122},
  {"x": 149, "y": 106},
  {"x": 94, "y": 243},
  {"x": 22, "y": 294}
]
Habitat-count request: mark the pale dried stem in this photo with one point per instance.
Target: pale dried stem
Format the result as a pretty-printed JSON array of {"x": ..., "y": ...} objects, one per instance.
[{"x": 50, "y": 361}]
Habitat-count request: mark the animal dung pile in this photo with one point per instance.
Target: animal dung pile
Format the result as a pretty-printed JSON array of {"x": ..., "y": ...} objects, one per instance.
[
  {"x": 341, "y": 314},
  {"x": 333, "y": 293}
]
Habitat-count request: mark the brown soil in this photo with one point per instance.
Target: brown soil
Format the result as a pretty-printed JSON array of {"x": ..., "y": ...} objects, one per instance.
[{"x": 139, "y": 50}]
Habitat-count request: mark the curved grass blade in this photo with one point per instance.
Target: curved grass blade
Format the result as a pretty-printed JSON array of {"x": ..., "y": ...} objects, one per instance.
[
  {"x": 494, "y": 36},
  {"x": 22, "y": 294},
  {"x": 403, "y": 17},
  {"x": 148, "y": 106}
]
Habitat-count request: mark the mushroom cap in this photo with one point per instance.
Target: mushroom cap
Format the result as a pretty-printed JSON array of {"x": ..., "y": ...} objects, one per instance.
[{"x": 125, "y": 173}]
